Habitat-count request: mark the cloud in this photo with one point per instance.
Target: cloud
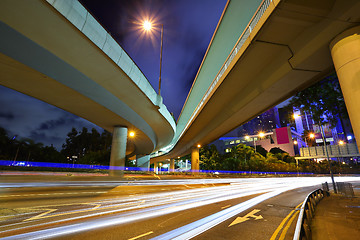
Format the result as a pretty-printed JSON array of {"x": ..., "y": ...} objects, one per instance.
[
  {"x": 28, "y": 117},
  {"x": 188, "y": 27},
  {"x": 8, "y": 116}
]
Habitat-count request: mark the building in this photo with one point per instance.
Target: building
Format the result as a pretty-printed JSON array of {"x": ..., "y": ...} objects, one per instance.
[{"x": 276, "y": 138}]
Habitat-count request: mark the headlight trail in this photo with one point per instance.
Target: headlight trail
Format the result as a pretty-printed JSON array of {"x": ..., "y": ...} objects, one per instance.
[{"x": 126, "y": 209}]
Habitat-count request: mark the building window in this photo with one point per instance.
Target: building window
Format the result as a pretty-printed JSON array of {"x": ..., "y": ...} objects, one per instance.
[
  {"x": 237, "y": 141},
  {"x": 226, "y": 143},
  {"x": 228, "y": 150},
  {"x": 232, "y": 142}
]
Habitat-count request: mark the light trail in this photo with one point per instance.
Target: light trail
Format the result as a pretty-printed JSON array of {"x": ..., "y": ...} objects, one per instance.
[
  {"x": 193, "y": 229},
  {"x": 128, "y": 209}
]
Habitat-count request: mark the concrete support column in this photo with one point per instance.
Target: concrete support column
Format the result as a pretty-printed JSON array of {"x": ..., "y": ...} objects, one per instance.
[
  {"x": 345, "y": 51},
  {"x": 172, "y": 165},
  {"x": 118, "y": 151},
  {"x": 143, "y": 162},
  {"x": 156, "y": 167},
  {"x": 195, "y": 156}
]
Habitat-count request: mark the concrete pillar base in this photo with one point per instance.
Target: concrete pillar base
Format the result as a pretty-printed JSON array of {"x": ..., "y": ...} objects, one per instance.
[
  {"x": 172, "y": 165},
  {"x": 195, "y": 156},
  {"x": 143, "y": 162},
  {"x": 118, "y": 151},
  {"x": 345, "y": 51}
]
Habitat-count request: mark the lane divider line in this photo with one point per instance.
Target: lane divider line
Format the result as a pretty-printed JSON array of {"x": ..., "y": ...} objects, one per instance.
[
  {"x": 273, "y": 237},
  {"x": 282, "y": 236},
  {"x": 225, "y": 206},
  {"x": 142, "y": 235}
]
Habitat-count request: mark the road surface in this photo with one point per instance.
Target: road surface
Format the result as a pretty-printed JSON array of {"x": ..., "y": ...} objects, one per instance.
[{"x": 245, "y": 208}]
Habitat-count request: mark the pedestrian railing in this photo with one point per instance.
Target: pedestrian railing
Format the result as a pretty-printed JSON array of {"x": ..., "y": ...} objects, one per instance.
[
  {"x": 346, "y": 150},
  {"x": 307, "y": 210}
]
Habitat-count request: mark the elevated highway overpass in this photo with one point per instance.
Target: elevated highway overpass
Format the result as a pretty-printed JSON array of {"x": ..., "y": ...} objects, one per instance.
[
  {"x": 286, "y": 46},
  {"x": 57, "y": 52}
]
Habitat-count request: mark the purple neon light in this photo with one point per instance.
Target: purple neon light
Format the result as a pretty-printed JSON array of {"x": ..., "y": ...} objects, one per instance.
[{"x": 101, "y": 167}]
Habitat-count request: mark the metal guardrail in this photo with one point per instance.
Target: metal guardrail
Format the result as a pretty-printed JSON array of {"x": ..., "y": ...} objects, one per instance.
[{"x": 302, "y": 230}]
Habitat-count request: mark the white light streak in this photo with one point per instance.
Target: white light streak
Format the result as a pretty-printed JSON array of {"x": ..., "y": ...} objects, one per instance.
[{"x": 126, "y": 209}]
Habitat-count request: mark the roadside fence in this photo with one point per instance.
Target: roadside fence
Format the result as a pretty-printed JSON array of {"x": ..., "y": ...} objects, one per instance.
[{"x": 302, "y": 230}]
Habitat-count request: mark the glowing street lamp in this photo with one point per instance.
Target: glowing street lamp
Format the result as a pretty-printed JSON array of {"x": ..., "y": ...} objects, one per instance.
[
  {"x": 261, "y": 134},
  {"x": 248, "y": 138},
  {"x": 131, "y": 134},
  {"x": 295, "y": 115},
  {"x": 148, "y": 26},
  {"x": 341, "y": 142}
]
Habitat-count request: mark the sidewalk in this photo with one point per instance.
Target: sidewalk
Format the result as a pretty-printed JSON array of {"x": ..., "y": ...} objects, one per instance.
[{"x": 337, "y": 217}]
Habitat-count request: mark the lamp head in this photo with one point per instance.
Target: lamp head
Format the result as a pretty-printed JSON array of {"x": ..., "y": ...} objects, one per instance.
[
  {"x": 295, "y": 115},
  {"x": 147, "y": 25}
]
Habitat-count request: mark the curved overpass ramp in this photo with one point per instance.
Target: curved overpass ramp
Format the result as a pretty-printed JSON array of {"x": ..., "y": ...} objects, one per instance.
[
  {"x": 256, "y": 63},
  {"x": 57, "y": 52}
]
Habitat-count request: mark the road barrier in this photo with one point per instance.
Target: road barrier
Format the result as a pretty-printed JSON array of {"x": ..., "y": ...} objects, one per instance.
[
  {"x": 345, "y": 189},
  {"x": 302, "y": 230}
]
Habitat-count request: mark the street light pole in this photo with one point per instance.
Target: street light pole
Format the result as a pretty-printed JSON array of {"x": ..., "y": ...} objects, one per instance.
[
  {"x": 327, "y": 156},
  {"x": 254, "y": 144},
  {"x": 161, "y": 48},
  {"x": 147, "y": 25}
]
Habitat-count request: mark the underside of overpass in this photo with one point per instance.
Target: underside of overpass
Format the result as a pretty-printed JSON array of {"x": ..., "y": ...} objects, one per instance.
[
  {"x": 57, "y": 52},
  {"x": 286, "y": 50}
]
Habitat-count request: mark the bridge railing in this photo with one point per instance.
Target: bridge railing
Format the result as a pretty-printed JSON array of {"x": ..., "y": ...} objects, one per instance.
[
  {"x": 78, "y": 15},
  {"x": 243, "y": 37}
]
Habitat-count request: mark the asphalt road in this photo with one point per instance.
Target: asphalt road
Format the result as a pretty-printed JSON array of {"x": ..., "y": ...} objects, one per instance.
[{"x": 247, "y": 208}]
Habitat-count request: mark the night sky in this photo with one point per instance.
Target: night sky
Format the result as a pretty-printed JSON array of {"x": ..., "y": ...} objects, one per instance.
[{"x": 188, "y": 28}]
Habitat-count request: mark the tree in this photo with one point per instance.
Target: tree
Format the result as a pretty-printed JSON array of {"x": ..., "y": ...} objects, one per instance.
[
  {"x": 90, "y": 147},
  {"x": 276, "y": 150},
  {"x": 33, "y": 149},
  {"x": 50, "y": 154},
  {"x": 324, "y": 101},
  {"x": 6, "y": 148},
  {"x": 209, "y": 158},
  {"x": 261, "y": 150}
]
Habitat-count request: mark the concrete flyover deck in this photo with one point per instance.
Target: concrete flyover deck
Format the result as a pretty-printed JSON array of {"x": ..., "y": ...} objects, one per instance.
[
  {"x": 57, "y": 52},
  {"x": 284, "y": 48}
]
